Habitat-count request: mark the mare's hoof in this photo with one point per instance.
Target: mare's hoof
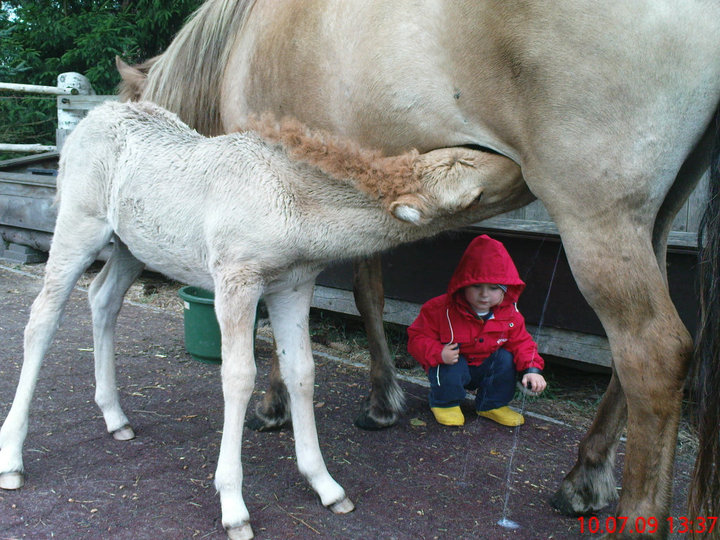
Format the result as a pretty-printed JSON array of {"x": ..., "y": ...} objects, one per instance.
[
  {"x": 259, "y": 424},
  {"x": 12, "y": 480},
  {"x": 368, "y": 423},
  {"x": 562, "y": 504},
  {"x": 125, "y": 433},
  {"x": 244, "y": 532},
  {"x": 345, "y": 506}
]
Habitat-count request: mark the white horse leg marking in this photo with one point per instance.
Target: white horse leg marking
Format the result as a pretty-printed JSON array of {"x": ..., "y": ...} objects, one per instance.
[
  {"x": 106, "y": 296},
  {"x": 289, "y": 310},
  {"x": 237, "y": 293},
  {"x": 77, "y": 241}
]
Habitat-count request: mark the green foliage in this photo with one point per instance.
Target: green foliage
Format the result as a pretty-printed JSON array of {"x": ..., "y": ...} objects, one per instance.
[{"x": 41, "y": 39}]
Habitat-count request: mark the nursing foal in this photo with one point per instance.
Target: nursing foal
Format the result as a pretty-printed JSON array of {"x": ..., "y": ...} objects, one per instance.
[{"x": 246, "y": 216}]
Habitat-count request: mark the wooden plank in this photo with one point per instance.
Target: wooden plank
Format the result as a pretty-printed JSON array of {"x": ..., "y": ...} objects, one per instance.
[
  {"x": 24, "y": 161},
  {"x": 551, "y": 341},
  {"x": 27, "y": 201},
  {"x": 535, "y": 211},
  {"x": 696, "y": 204},
  {"x": 676, "y": 239},
  {"x": 519, "y": 225},
  {"x": 28, "y": 179}
]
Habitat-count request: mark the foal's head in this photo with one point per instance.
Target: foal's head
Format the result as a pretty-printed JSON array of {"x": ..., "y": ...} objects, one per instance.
[{"x": 412, "y": 187}]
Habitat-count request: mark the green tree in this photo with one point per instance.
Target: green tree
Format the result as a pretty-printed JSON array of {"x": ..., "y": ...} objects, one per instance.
[{"x": 41, "y": 39}]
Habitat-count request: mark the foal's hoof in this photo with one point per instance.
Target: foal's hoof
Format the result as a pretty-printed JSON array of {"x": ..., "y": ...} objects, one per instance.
[
  {"x": 125, "y": 433},
  {"x": 12, "y": 480},
  {"x": 344, "y": 506},
  {"x": 244, "y": 532}
]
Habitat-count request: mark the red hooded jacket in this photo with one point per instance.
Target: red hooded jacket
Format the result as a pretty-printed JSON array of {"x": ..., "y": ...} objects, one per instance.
[{"x": 449, "y": 318}]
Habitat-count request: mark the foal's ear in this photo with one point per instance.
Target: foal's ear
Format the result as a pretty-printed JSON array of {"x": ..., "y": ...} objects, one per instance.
[{"x": 409, "y": 208}]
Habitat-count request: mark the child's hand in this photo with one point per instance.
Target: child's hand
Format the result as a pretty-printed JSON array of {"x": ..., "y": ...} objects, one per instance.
[
  {"x": 451, "y": 353},
  {"x": 534, "y": 382}
]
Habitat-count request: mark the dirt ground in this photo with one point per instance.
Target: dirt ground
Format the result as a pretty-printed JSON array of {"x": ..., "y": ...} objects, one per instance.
[{"x": 415, "y": 480}]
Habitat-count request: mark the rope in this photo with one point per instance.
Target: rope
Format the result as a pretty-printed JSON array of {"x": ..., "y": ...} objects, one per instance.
[{"x": 504, "y": 521}]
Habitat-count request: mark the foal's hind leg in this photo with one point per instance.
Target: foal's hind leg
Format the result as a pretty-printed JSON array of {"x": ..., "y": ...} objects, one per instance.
[
  {"x": 106, "y": 296},
  {"x": 385, "y": 403},
  {"x": 289, "y": 310},
  {"x": 76, "y": 243},
  {"x": 617, "y": 271}
]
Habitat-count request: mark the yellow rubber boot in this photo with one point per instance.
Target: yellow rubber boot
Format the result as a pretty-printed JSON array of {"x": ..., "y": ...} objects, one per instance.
[
  {"x": 503, "y": 415},
  {"x": 449, "y": 416}
]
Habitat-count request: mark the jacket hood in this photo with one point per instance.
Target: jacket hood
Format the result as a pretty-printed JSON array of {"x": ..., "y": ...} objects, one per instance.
[{"x": 487, "y": 261}]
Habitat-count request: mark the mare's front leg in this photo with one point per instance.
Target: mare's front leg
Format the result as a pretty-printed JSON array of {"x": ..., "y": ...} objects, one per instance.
[
  {"x": 272, "y": 412},
  {"x": 383, "y": 406},
  {"x": 617, "y": 271},
  {"x": 237, "y": 291},
  {"x": 289, "y": 310},
  {"x": 386, "y": 401}
]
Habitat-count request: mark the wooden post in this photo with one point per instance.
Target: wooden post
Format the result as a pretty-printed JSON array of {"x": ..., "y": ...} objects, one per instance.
[{"x": 70, "y": 83}]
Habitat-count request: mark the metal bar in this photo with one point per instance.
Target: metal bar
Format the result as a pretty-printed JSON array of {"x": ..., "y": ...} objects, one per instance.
[
  {"x": 34, "y": 148},
  {"x": 37, "y": 89}
]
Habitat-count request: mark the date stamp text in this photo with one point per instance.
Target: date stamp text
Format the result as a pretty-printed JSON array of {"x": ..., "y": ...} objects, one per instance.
[{"x": 650, "y": 525}]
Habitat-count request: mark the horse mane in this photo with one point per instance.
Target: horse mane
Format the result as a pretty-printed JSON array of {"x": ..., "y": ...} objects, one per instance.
[
  {"x": 382, "y": 177},
  {"x": 201, "y": 48}
]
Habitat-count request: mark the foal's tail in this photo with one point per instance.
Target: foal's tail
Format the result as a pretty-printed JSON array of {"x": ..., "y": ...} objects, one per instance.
[{"x": 705, "y": 488}]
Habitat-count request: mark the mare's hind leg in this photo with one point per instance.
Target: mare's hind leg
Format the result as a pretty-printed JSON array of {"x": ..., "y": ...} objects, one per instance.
[
  {"x": 386, "y": 401},
  {"x": 591, "y": 485},
  {"x": 76, "y": 243},
  {"x": 617, "y": 271},
  {"x": 106, "y": 297},
  {"x": 289, "y": 309}
]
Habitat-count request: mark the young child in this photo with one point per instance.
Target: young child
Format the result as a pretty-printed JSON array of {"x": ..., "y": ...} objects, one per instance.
[{"x": 474, "y": 338}]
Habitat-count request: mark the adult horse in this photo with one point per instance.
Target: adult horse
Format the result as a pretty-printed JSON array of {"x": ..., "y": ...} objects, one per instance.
[{"x": 607, "y": 109}]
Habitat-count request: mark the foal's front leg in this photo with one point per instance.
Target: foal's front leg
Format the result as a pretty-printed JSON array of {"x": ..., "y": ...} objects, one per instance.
[
  {"x": 289, "y": 310},
  {"x": 237, "y": 292}
]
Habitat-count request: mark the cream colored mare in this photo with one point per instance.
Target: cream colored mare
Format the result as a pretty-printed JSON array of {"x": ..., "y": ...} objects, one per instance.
[
  {"x": 604, "y": 105},
  {"x": 243, "y": 217}
]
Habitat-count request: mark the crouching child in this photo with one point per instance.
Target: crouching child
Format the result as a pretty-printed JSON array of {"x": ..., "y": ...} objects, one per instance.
[{"x": 474, "y": 338}]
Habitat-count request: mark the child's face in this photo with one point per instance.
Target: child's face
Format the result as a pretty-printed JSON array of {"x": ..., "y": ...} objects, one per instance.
[{"x": 482, "y": 297}]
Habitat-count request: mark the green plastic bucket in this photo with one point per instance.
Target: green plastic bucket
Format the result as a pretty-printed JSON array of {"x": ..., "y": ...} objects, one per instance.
[{"x": 202, "y": 332}]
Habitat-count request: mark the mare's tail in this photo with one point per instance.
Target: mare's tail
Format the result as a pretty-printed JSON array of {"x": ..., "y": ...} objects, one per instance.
[{"x": 705, "y": 488}]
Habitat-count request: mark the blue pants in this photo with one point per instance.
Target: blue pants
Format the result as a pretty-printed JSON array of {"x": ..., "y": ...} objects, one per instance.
[{"x": 494, "y": 380}]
